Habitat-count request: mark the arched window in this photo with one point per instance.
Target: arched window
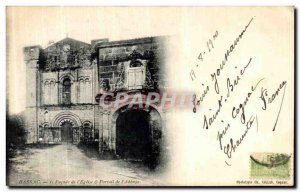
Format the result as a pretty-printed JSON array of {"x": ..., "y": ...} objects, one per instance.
[
  {"x": 66, "y": 97},
  {"x": 136, "y": 74},
  {"x": 52, "y": 96},
  {"x": 81, "y": 91},
  {"x": 87, "y": 90},
  {"x": 87, "y": 132},
  {"x": 46, "y": 116},
  {"x": 46, "y": 93}
]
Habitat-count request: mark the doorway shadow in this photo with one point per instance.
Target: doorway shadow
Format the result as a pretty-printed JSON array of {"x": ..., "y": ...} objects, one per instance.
[{"x": 91, "y": 150}]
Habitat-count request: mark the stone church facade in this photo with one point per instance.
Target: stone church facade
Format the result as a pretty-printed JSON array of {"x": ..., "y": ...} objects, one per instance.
[{"x": 65, "y": 81}]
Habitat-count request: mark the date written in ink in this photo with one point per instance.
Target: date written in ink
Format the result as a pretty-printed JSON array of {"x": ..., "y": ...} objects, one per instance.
[{"x": 209, "y": 47}]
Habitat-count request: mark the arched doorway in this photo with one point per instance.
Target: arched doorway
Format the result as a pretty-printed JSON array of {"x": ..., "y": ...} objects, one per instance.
[
  {"x": 69, "y": 125},
  {"x": 88, "y": 136},
  {"x": 66, "y": 132},
  {"x": 139, "y": 135},
  {"x": 133, "y": 137}
]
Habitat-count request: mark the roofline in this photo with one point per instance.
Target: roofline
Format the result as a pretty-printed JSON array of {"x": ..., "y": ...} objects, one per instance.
[
  {"x": 33, "y": 46},
  {"x": 68, "y": 38},
  {"x": 129, "y": 42}
]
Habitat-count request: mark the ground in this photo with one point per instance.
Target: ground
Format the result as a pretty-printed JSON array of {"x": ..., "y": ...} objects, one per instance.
[{"x": 74, "y": 165}]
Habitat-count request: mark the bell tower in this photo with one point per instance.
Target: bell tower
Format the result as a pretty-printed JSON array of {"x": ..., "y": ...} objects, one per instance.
[{"x": 31, "y": 56}]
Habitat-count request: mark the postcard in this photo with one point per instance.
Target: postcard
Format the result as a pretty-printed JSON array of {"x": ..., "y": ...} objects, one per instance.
[{"x": 150, "y": 96}]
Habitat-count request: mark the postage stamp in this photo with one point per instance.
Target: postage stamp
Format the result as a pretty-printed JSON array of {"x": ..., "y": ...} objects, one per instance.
[{"x": 270, "y": 165}]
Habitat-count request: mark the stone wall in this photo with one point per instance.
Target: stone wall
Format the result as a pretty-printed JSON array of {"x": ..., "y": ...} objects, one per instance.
[
  {"x": 87, "y": 79},
  {"x": 82, "y": 86},
  {"x": 65, "y": 54},
  {"x": 113, "y": 54},
  {"x": 31, "y": 55},
  {"x": 84, "y": 112},
  {"x": 50, "y": 118}
]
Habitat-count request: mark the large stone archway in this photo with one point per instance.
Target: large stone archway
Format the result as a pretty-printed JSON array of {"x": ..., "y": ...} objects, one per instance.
[
  {"x": 66, "y": 116},
  {"x": 132, "y": 133},
  {"x": 69, "y": 126}
]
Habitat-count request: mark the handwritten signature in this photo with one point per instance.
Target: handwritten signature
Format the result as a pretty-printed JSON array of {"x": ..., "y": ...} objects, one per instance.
[{"x": 227, "y": 144}]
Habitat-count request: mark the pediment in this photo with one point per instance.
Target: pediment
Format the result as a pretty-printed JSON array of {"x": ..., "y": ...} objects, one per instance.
[
  {"x": 73, "y": 43},
  {"x": 67, "y": 53}
]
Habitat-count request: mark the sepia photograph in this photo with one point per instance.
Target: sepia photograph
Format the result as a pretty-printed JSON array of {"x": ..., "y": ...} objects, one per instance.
[{"x": 150, "y": 96}]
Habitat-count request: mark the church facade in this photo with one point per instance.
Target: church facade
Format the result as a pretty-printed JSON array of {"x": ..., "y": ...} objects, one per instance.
[{"x": 65, "y": 81}]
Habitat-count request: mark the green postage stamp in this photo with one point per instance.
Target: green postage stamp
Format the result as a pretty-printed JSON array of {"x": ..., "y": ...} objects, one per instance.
[{"x": 270, "y": 165}]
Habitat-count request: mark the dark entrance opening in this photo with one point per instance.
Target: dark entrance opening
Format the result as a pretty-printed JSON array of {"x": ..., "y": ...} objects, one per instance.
[
  {"x": 66, "y": 132},
  {"x": 133, "y": 135}
]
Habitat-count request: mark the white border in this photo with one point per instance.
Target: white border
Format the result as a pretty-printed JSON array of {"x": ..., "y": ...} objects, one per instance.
[{"x": 4, "y": 3}]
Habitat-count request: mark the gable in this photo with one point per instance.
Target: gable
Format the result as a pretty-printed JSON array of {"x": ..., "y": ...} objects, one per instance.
[
  {"x": 67, "y": 53},
  {"x": 74, "y": 44}
]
